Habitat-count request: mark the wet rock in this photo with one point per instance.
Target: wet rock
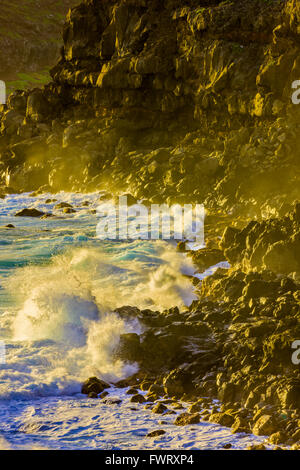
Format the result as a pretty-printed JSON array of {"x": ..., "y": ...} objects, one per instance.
[
  {"x": 132, "y": 391},
  {"x": 129, "y": 347},
  {"x": 257, "y": 447},
  {"x": 148, "y": 406},
  {"x": 159, "y": 408},
  {"x": 240, "y": 425},
  {"x": 174, "y": 383},
  {"x": 50, "y": 201},
  {"x": 129, "y": 382},
  {"x": 63, "y": 205},
  {"x": 259, "y": 288},
  {"x": 185, "y": 419},
  {"x": 68, "y": 210},
  {"x": 206, "y": 258},
  {"x": 30, "y": 213},
  {"x": 178, "y": 406},
  {"x": 277, "y": 438},
  {"x": 156, "y": 389},
  {"x": 112, "y": 401},
  {"x": 195, "y": 407},
  {"x": 290, "y": 396},
  {"x": 94, "y": 385},
  {"x": 225, "y": 419},
  {"x": 131, "y": 200},
  {"x": 37, "y": 106},
  {"x": 145, "y": 385},
  {"x": 138, "y": 399},
  {"x": 181, "y": 247}
]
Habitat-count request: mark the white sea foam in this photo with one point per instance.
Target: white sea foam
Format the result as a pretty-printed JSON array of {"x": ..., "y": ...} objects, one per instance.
[{"x": 61, "y": 326}]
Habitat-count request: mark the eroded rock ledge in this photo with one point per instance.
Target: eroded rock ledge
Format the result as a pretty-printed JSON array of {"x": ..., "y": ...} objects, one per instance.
[{"x": 190, "y": 102}]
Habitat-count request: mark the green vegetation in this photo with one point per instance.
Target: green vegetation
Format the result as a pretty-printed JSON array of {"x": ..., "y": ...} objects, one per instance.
[
  {"x": 27, "y": 80},
  {"x": 30, "y": 38}
]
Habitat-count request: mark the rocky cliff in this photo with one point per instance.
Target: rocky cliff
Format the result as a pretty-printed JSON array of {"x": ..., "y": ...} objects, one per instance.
[
  {"x": 188, "y": 101},
  {"x": 180, "y": 100}
]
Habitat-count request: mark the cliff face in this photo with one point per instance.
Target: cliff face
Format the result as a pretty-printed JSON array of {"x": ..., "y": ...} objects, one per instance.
[{"x": 186, "y": 101}]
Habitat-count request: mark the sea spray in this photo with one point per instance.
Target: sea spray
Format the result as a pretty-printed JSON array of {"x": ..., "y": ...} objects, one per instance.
[{"x": 63, "y": 311}]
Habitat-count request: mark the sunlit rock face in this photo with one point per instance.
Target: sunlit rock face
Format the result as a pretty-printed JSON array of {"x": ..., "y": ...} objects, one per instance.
[{"x": 168, "y": 100}]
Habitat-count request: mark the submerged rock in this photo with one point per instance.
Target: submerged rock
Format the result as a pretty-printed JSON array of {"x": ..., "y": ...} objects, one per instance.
[
  {"x": 265, "y": 425},
  {"x": 30, "y": 213},
  {"x": 138, "y": 399},
  {"x": 156, "y": 433},
  {"x": 63, "y": 205},
  {"x": 159, "y": 408},
  {"x": 185, "y": 419},
  {"x": 112, "y": 401}
]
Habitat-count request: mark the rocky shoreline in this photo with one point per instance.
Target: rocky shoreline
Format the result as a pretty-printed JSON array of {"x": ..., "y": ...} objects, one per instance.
[
  {"x": 187, "y": 104},
  {"x": 234, "y": 344},
  {"x": 174, "y": 103}
]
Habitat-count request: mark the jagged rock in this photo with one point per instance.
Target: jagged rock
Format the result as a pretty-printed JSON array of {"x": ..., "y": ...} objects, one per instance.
[
  {"x": 130, "y": 347},
  {"x": 112, "y": 401},
  {"x": 138, "y": 399},
  {"x": 63, "y": 205},
  {"x": 69, "y": 210},
  {"x": 225, "y": 419},
  {"x": 122, "y": 72},
  {"x": 37, "y": 106},
  {"x": 184, "y": 419},
  {"x": 132, "y": 391},
  {"x": 277, "y": 438},
  {"x": 156, "y": 433},
  {"x": 94, "y": 385},
  {"x": 159, "y": 408},
  {"x": 264, "y": 426},
  {"x": 240, "y": 425}
]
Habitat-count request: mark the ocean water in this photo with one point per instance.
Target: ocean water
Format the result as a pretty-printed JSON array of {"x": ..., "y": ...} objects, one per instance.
[{"x": 59, "y": 286}]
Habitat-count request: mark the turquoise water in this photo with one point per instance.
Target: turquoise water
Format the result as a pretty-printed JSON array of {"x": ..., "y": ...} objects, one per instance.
[{"x": 59, "y": 286}]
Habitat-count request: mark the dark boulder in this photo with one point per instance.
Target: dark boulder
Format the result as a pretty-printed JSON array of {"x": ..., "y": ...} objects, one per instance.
[
  {"x": 29, "y": 213},
  {"x": 94, "y": 385}
]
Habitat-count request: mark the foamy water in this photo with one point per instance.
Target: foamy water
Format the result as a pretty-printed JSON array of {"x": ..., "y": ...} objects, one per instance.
[{"x": 59, "y": 286}]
